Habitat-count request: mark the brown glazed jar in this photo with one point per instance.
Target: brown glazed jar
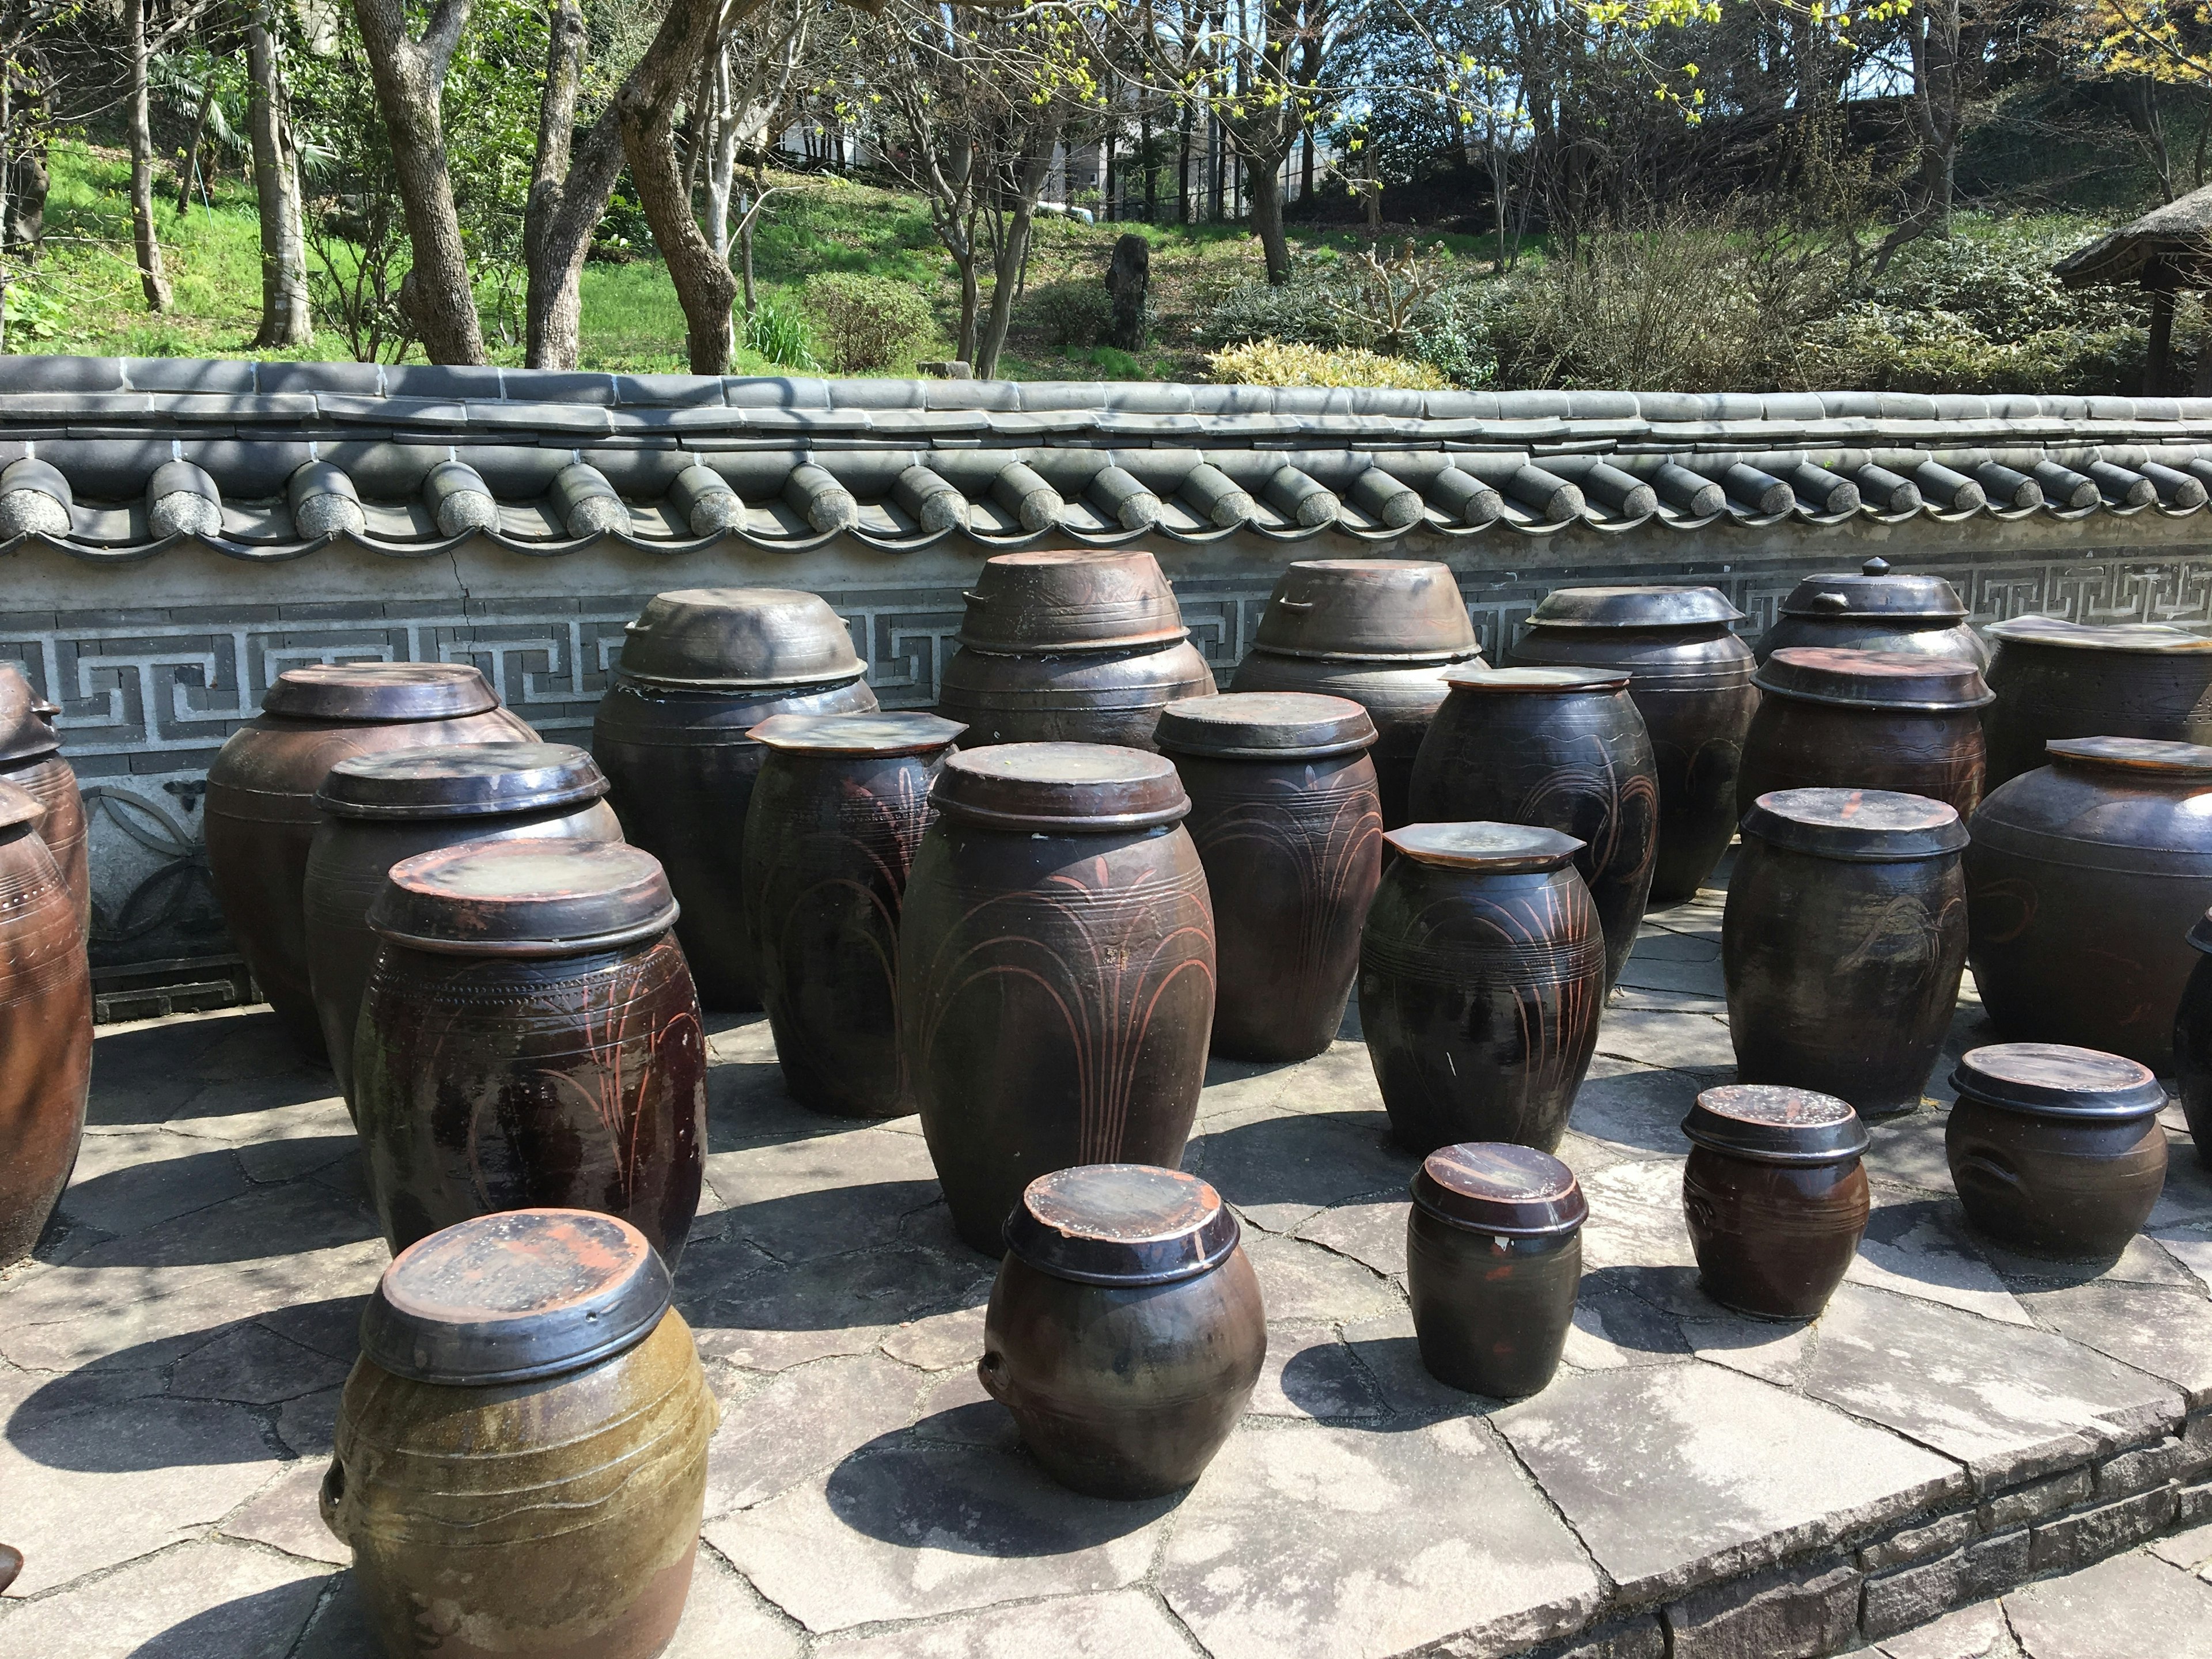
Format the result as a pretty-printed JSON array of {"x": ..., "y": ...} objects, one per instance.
[
  {"x": 1906, "y": 724},
  {"x": 1876, "y": 609},
  {"x": 1690, "y": 678},
  {"x": 1775, "y": 1196},
  {"x": 2193, "y": 1042},
  {"x": 1493, "y": 1263},
  {"x": 31, "y": 759},
  {"x": 1564, "y": 748},
  {"x": 529, "y": 1036},
  {"x": 379, "y": 808},
  {"x": 1125, "y": 1332},
  {"x": 1481, "y": 977},
  {"x": 837, "y": 814},
  {"x": 45, "y": 1028},
  {"x": 260, "y": 815},
  {"x": 2056, "y": 1150},
  {"x": 521, "y": 1448},
  {"x": 1843, "y": 942},
  {"x": 1056, "y": 971},
  {"x": 700, "y": 668},
  {"x": 2080, "y": 880},
  {"x": 1284, "y": 814},
  {"x": 2060, "y": 679}
]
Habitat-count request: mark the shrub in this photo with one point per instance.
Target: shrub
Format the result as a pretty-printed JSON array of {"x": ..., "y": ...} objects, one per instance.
[
  {"x": 1276, "y": 363},
  {"x": 864, "y": 323},
  {"x": 780, "y": 336},
  {"x": 1074, "y": 312},
  {"x": 1298, "y": 312}
]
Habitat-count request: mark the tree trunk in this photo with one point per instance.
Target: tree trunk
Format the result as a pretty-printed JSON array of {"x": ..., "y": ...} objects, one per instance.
[
  {"x": 645, "y": 112},
  {"x": 139, "y": 117},
  {"x": 286, "y": 319},
  {"x": 1182, "y": 174},
  {"x": 971, "y": 304},
  {"x": 569, "y": 197},
  {"x": 2161, "y": 341},
  {"x": 191, "y": 168},
  {"x": 1014, "y": 254},
  {"x": 1152, "y": 173},
  {"x": 722, "y": 162},
  {"x": 1264, "y": 177},
  {"x": 1306, "y": 168}
]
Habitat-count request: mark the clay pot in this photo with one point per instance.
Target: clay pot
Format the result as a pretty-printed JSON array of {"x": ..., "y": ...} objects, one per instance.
[
  {"x": 1775, "y": 1196},
  {"x": 2056, "y": 1150},
  {"x": 530, "y": 1036},
  {"x": 2079, "y": 879},
  {"x": 1481, "y": 976},
  {"x": 521, "y": 1448},
  {"x": 1061, "y": 697},
  {"x": 837, "y": 814},
  {"x": 700, "y": 668},
  {"x": 1125, "y": 1332},
  {"x": 31, "y": 759},
  {"x": 1055, "y": 969},
  {"x": 1071, "y": 600},
  {"x": 1843, "y": 942},
  {"x": 45, "y": 1028},
  {"x": 1563, "y": 748},
  {"x": 1493, "y": 1261},
  {"x": 2193, "y": 1042},
  {"x": 1907, "y": 723},
  {"x": 260, "y": 815},
  {"x": 1690, "y": 678},
  {"x": 2059, "y": 680},
  {"x": 379, "y": 808},
  {"x": 1286, "y": 822},
  {"x": 1877, "y": 610}
]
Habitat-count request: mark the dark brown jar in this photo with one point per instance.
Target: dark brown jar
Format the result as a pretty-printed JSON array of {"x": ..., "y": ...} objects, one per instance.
[
  {"x": 1877, "y": 610},
  {"x": 1284, "y": 814},
  {"x": 31, "y": 759},
  {"x": 1690, "y": 678},
  {"x": 45, "y": 1028},
  {"x": 1843, "y": 942},
  {"x": 836, "y": 814},
  {"x": 2056, "y": 1150},
  {"x": 1125, "y": 1332},
  {"x": 1493, "y": 1261},
  {"x": 260, "y": 815},
  {"x": 1564, "y": 748},
  {"x": 530, "y": 1036},
  {"x": 521, "y": 1448},
  {"x": 1866, "y": 719},
  {"x": 1481, "y": 977},
  {"x": 2059, "y": 680},
  {"x": 2080, "y": 880},
  {"x": 1775, "y": 1196},
  {"x": 2193, "y": 1042},
  {"x": 1056, "y": 971},
  {"x": 700, "y": 668}
]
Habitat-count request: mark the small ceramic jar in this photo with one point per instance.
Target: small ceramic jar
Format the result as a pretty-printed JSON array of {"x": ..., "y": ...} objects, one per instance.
[{"x": 1775, "y": 1195}]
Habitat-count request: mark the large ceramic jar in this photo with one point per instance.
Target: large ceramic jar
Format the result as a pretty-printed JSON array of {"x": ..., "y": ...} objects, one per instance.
[
  {"x": 1284, "y": 814},
  {"x": 2056, "y": 1150},
  {"x": 2081, "y": 880},
  {"x": 379, "y": 808},
  {"x": 1877, "y": 610},
  {"x": 1384, "y": 633},
  {"x": 260, "y": 815},
  {"x": 520, "y": 1458},
  {"x": 1056, "y": 971},
  {"x": 1563, "y": 748},
  {"x": 837, "y": 816},
  {"x": 31, "y": 759},
  {"x": 2192, "y": 1042},
  {"x": 1481, "y": 977},
  {"x": 1843, "y": 942},
  {"x": 45, "y": 1028},
  {"x": 1775, "y": 1196},
  {"x": 1125, "y": 1332},
  {"x": 1493, "y": 1263},
  {"x": 700, "y": 668},
  {"x": 1866, "y": 719},
  {"x": 2059, "y": 680},
  {"x": 530, "y": 1036},
  {"x": 1690, "y": 678}
]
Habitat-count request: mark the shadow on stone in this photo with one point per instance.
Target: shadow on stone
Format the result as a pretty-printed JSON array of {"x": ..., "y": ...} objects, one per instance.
[
  {"x": 1310, "y": 1158},
  {"x": 265, "y": 1222},
  {"x": 268, "y": 1622},
  {"x": 835, "y": 1221},
  {"x": 1417, "y": 1398}
]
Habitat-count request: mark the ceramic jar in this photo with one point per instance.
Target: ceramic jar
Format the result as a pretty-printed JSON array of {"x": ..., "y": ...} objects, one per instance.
[
  {"x": 838, "y": 813},
  {"x": 2193, "y": 1042},
  {"x": 2056, "y": 1150},
  {"x": 1876, "y": 609},
  {"x": 1563, "y": 748},
  {"x": 260, "y": 814},
  {"x": 1843, "y": 941},
  {"x": 2059, "y": 680},
  {"x": 1287, "y": 823},
  {"x": 1481, "y": 977},
  {"x": 1493, "y": 1261},
  {"x": 1125, "y": 1332},
  {"x": 700, "y": 668},
  {"x": 2080, "y": 880},
  {"x": 521, "y": 1447},
  {"x": 31, "y": 759},
  {"x": 1690, "y": 678},
  {"x": 1056, "y": 971},
  {"x": 529, "y": 1036},
  {"x": 1775, "y": 1196},
  {"x": 45, "y": 1028},
  {"x": 1866, "y": 719}
]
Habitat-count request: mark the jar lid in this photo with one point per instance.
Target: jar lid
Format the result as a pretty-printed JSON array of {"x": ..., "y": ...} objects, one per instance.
[
  {"x": 1873, "y": 679},
  {"x": 1121, "y": 1224},
  {"x": 512, "y": 1295},
  {"x": 2140, "y": 639},
  {"x": 1769, "y": 1124},
  {"x": 379, "y": 691},
  {"x": 18, "y": 805},
  {"x": 1265, "y": 726},
  {"x": 857, "y": 734},
  {"x": 1368, "y": 609},
  {"x": 739, "y": 637},
  {"x": 25, "y": 728},
  {"x": 529, "y": 898},
  {"x": 1872, "y": 826},
  {"x": 460, "y": 781},
  {"x": 1071, "y": 788},
  {"x": 1070, "y": 598},
  {"x": 1500, "y": 848},
  {"x": 1497, "y": 1186},
  {"x": 2183, "y": 760},
  {"x": 1543, "y": 680},
  {"x": 1642, "y": 607},
  {"x": 2052, "y": 1079},
  {"x": 1876, "y": 590}
]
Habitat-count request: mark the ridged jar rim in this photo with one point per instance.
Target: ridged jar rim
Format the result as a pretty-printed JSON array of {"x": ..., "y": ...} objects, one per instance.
[
  {"x": 380, "y": 693},
  {"x": 874, "y": 733},
  {"x": 1499, "y": 1189},
  {"x": 2058, "y": 1080},
  {"x": 1614, "y": 605},
  {"x": 524, "y": 898},
  {"x": 1265, "y": 726},
  {"x": 1121, "y": 1224},
  {"x": 1771, "y": 1123},
  {"x": 1874, "y": 591},
  {"x": 1859, "y": 826},
  {"x": 1844, "y": 679},
  {"x": 404, "y": 785},
  {"x": 2135, "y": 639},
  {"x": 1060, "y": 788},
  {"x": 1542, "y": 681},
  {"x": 2158, "y": 756},
  {"x": 1495, "y": 849},
  {"x": 695, "y": 637}
]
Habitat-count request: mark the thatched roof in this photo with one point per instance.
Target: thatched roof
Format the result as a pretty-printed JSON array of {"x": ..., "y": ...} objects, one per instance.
[{"x": 2171, "y": 245}]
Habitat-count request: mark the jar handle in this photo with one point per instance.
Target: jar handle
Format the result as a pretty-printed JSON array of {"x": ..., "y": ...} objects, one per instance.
[
  {"x": 982, "y": 599},
  {"x": 332, "y": 1498},
  {"x": 1981, "y": 1164},
  {"x": 1293, "y": 604},
  {"x": 987, "y": 1372}
]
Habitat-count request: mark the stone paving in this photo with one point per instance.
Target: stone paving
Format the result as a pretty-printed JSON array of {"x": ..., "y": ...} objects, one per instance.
[{"x": 1962, "y": 1421}]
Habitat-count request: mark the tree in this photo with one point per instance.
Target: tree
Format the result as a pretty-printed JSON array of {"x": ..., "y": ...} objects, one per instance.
[
  {"x": 139, "y": 124},
  {"x": 287, "y": 319}
]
